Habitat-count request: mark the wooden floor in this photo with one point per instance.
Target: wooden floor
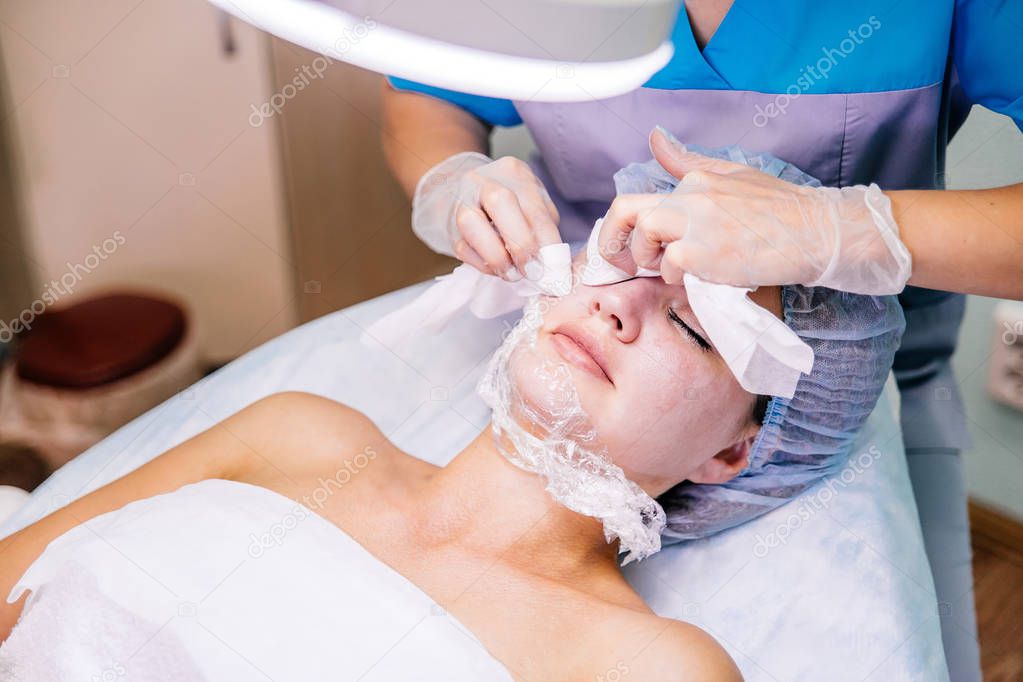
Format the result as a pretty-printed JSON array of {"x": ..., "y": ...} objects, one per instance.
[{"x": 998, "y": 581}]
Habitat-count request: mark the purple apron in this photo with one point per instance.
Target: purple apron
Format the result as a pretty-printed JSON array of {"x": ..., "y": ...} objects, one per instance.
[{"x": 896, "y": 139}]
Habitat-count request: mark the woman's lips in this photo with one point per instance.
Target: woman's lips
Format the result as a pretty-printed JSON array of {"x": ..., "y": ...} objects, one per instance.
[{"x": 581, "y": 350}]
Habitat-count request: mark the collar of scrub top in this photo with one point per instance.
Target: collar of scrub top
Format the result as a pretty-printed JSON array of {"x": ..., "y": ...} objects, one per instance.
[{"x": 763, "y": 353}]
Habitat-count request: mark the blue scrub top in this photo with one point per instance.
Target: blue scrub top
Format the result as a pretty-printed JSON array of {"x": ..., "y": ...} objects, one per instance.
[{"x": 770, "y": 47}]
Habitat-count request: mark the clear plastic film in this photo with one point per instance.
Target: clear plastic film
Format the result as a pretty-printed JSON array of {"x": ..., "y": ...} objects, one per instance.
[{"x": 548, "y": 433}]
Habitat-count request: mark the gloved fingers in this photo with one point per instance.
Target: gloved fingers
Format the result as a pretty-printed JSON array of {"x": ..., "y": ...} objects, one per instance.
[
  {"x": 506, "y": 214},
  {"x": 722, "y": 184},
  {"x": 702, "y": 260},
  {"x": 678, "y": 161},
  {"x": 673, "y": 262},
  {"x": 618, "y": 225},
  {"x": 744, "y": 185},
  {"x": 479, "y": 233},
  {"x": 467, "y": 254},
  {"x": 655, "y": 228},
  {"x": 705, "y": 260},
  {"x": 542, "y": 216},
  {"x": 552, "y": 210},
  {"x": 534, "y": 201}
]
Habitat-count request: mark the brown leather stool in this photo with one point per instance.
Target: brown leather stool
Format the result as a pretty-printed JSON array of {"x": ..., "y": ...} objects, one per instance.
[
  {"x": 84, "y": 370},
  {"x": 21, "y": 468}
]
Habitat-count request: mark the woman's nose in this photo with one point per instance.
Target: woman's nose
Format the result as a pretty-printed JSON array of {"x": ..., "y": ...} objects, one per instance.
[{"x": 617, "y": 309}]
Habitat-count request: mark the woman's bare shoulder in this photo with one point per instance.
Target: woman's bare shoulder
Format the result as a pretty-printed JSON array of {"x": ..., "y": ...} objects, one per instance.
[
  {"x": 644, "y": 646},
  {"x": 294, "y": 435},
  {"x": 681, "y": 651}
]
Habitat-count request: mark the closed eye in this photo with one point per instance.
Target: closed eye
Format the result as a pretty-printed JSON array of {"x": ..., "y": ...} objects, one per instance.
[{"x": 700, "y": 341}]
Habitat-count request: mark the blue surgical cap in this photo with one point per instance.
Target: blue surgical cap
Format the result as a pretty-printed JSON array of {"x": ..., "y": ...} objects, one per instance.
[{"x": 808, "y": 436}]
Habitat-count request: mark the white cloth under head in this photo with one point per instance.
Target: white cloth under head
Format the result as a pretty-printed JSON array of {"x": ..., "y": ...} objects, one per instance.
[
  {"x": 222, "y": 580},
  {"x": 764, "y": 355}
]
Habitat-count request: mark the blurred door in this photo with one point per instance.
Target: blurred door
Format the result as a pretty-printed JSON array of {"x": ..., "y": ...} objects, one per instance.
[
  {"x": 15, "y": 278},
  {"x": 351, "y": 237}
]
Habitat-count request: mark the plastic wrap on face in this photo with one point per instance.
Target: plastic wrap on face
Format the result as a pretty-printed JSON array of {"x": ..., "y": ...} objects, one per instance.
[{"x": 540, "y": 426}]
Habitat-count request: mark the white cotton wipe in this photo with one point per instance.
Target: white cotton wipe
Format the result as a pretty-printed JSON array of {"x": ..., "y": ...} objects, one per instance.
[
  {"x": 764, "y": 355},
  {"x": 486, "y": 297}
]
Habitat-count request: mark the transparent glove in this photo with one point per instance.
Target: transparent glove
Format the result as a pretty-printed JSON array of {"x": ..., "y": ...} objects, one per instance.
[
  {"x": 730, "y": 224},
  {"x": 493, "y": 215}
]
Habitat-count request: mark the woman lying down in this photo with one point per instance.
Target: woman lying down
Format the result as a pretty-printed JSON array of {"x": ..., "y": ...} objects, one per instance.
[{"x": 615, "y": 423}]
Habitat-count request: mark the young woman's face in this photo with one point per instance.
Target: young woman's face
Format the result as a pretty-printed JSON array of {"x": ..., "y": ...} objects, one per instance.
[{"x": 659, "y": 397}]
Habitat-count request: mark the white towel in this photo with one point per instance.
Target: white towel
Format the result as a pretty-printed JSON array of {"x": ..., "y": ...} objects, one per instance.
[
  {"x": 71, "y": 630},
  {"x": 222, "y": 580}
]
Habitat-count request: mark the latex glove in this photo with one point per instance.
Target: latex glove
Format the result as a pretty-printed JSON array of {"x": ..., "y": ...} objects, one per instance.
[
  {"x": 730, "y": 224},
  {"x": 493, "y": 215}
]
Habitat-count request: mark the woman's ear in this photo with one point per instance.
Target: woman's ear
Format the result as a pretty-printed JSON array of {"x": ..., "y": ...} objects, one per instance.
[{"x": 728, "y": 463}]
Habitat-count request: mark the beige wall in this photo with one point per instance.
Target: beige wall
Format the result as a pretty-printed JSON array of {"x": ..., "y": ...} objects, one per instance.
[
  {"x": 16, "y": 284},
  {"x": 130, "y": 124}
]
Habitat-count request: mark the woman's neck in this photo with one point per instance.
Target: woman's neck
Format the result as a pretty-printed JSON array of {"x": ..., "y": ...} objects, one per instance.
[{"x": 484, "y": 503}]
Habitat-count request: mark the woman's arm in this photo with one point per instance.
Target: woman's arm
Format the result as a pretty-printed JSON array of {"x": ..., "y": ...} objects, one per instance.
[
  {"x": 420, "y": 131},
  {"x": 732, "y": 224},
  {"x": 969, "y": 241},
  {"x": 223, "y": 451}
]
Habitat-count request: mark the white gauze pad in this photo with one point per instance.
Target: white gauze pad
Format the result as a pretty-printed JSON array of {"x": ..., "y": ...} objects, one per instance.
[{"x": 485, "y": 295}]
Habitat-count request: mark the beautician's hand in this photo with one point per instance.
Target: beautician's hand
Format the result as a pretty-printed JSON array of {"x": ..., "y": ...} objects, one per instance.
[
  {"x": 494, "y": 215},
  {"x": 731, "y": 224}
]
